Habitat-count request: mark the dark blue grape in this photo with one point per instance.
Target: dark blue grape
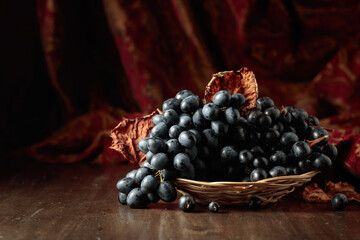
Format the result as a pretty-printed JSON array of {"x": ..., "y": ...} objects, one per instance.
[
  {"x": 257, "y": 151},
  {"x": 160, "y": 130},
  {"x": 261, "y": 162},
  {"x": 159, "y": 161},
  {"x": 156, "y": 145},
  {"x": 245, "y": 157},
  {"x": 220, "y": 128},
  {"x": 320, "y": 132},
  {"x": 265, "y": 103},
  {"x": 147, "y": 164},
  {"x": 253, "y": 115},
  {"x": 330, "y": 151},
  {"x": 187, "y": 139},
  {"x": 258, "y": 174},
  {"x": 285, "y": 117},
  {"x": 174, "y": 147},
  {"x": 305, "y": 165},
  {"x": 301, "y": 150},
  {"x": 277, "y": 171},
  {"x": 229, "y": 154},
  {"x": 167, "y": 191},
  {"x": 273, "y": 113},
  {"x": 271, "y": 136},
  {"x": 153, "y": 197},
  {"x": 279, "y": 127},
  {"x": 199, "y": 120},
  {"x": 175, "y": 131},
  {"x": 322, "y": 162},
  {"x": 187, "y": 203},
  {"x": 136, "y": 199},
  {"x": 168, "y": 174},
  {"x": 222, "y": 98},
  {"x": 214, "y": 207},
  {"x": 158, "y": 118},
  {"x": 189, "y": 104},
  {"x": 185, "y": 121},
  {"x": 263, "y": 122},
  {"x": 210, "y": 138},
  {"x": 171, "y": 103},
  {"x": 189, "y": 173},
  {"x": 149, "y": 184},
  {"x": 203, "y": 151},
  {"x": 131, "y": 174},
  {"x": 232, "y": 115},
  {"x": 149, "y": 155},
  {"x": 288, "y": 139},
  {"x": 211, "y": 111},
  {"x": 183, "y": 94},
  {"x": 313, "y": 121},
  {"x": 142, "y": 145},
  {"x": 278, "y": 158},
  {"x": 191, "y": 152},
  {"x": 141, "y": 173},
  {"x": 197, "y": 135},
  {"x": 171, "y": 117},
  {"x": 239, "y": 134},
  {"x": 237, "y": 101},
  {"x": 122, "y": 198},
  {"x": 292, "y": 170},
  {"x": 182, "y": 162},
  {"x": 339, "y": 201},
  {"x": 126, "y": 184}
]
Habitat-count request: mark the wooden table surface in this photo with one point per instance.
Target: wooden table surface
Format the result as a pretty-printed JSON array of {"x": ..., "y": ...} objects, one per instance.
[{"x": 79, "y": 201}]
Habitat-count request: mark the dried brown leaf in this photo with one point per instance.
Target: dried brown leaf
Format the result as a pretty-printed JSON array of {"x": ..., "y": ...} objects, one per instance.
[
  {"x": 128, "y": 133},
  {"x": 313, "y": 193},
  {"x": 241, "y": 81}
]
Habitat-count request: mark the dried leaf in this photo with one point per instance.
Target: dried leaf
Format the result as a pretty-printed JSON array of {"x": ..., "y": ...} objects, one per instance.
[
  {"x": 128, "y": 133},
  {"x": 241, "y": 81},
  {"x": 313, "y": 193}
]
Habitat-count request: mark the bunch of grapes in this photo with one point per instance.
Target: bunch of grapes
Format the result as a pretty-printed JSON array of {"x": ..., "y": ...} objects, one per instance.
[{"x": 222, "y": 141}]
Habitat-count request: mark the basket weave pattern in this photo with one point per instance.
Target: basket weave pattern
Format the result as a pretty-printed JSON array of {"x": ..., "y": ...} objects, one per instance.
[{"x": 238, "y": 193}]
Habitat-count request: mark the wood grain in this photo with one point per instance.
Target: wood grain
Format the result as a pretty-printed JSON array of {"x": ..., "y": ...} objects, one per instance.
[{"x": 80, "y": 202}]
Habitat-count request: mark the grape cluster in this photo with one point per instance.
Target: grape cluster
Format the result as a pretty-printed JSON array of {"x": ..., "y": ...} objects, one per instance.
[{"x": 222, "y": 141}]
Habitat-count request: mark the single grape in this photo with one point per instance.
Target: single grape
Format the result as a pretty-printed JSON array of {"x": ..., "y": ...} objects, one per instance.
[
  {"x": 263, "y": 122},
  {"x": 175, "y": 131},
  {"x": 271, "y": 136},
  {"x": 159, "y": 161},
  {"x": 149, "y": 184},
  {"x": 305, "y": 165},
  {"x": 199, "y": 120},
  {"x": 285, "y": 117},
  {"x": 301, "y": 126},
  {"x": 339, "y": 201},
  {"x": 232, "y": 115},
  {"x": 167, "y": 191},
  {"x": 254, "y": 202},
  {"x": 330, "y": 151},
  {"x": 298, "y": 114},
  {"x": 182, "y": 162},
  {"x": 191, "y": 152},
  {"x": 153, "y": 197},
  {"x": 253, "y": 115},
  {"x": 277, "y": 171},
  {"x": 126, "y": 184},
  {"x": 171, "y": 117},
  {"x": 313, "y": 121},
  {"x": 158, "y": 118},
  {"x": 122, "y": 198},
  {"x": 301, "y": 150},
  {"x": 245, "y": 157},
  {"x": 320, "y": 132},
  {"x": 168, "y": 174},
  {"x": 131, "y": 174},
  {"x": 265, "y": 103},
  {"x": 189, "y": 104},
  {"x": 171, "y": 103},
  {"x": 258, "y": 174},
  {"x": 273, "y": 113},
  {"x": 222, "y": 98},
  {"x": 322, "y": 162},
  {"x": 159, "y": 130},
  {"x": 210, "y": 138},
  {"x": 156, "y": 145},
  {"x": 173, "y": 147},
  {"x": 142, "y": 145},
  {"x": 183, "y": 94},
  {"x": 261, "y": 162},
  {"x": 220, "y": 128},
  {"x": 228, "y": 154},
  {"x": 237, "y": 101},
  {"x": 214, "y": 207},
  {"x": 187, "y": 203},
  {"x": 278, "y": 158},
  {"x": 210, "y": 111},
  {"x": 136, "y": 199},
  {"x": 288, "y": 139},
  {"x": 187, "y": 139}
]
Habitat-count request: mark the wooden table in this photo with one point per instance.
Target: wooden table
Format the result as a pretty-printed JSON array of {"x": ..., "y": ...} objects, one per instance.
[{"x": 79, "y": 201}]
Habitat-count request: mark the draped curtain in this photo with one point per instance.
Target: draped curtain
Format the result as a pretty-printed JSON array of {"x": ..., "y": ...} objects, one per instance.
[{"x": 100, "y": 61}]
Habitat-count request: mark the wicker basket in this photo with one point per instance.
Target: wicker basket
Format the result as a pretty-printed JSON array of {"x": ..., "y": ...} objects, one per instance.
[{"x": 238, "y": 193}]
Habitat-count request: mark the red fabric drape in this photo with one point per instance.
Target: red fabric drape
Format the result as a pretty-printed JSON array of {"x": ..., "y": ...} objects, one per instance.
[{"x": 111, "y": 58}]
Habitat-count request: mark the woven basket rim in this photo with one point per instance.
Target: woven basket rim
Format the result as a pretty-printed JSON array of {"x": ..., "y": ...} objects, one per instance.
[{"x": 272, "y": 180}]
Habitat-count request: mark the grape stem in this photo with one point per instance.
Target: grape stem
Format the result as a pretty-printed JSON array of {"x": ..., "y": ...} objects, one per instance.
[{"x": 315, "y": 141}]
